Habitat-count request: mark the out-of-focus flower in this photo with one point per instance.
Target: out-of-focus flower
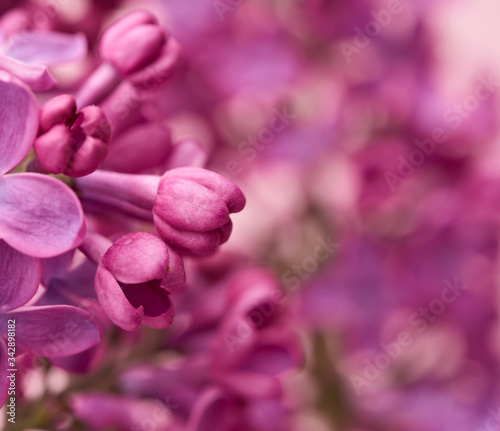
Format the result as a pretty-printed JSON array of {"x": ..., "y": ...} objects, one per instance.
[
  {"x": 102, "y": 411},
  {"x": 26, "y": 55},
  {"x": 250, "y": 351}
]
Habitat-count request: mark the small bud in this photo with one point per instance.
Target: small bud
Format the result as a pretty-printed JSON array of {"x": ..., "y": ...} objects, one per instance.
[
  {"x": 192, "y": 208},
  {"x": 72, "y": 143},
  {"x": 133, "y": 42}
]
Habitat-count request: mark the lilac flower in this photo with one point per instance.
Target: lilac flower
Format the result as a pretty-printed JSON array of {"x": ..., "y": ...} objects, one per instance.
[
  {"x": 192, "y": 209},
  {"x": 51, "y": 331},
  {"x": 135, "y": 47},
  {"x": 70, "y": 142},
  {"x": 133, "y": 42},
  {"x": 191, "y": 206},
  {"x": 135, "y": 276},
  {"x": 39, "y": 215},
  {"x": 26, "y": 55}
]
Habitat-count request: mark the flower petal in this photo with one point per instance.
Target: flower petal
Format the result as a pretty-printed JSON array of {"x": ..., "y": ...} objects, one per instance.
[
  {"x": 18, "y": 119},
  {"x": 188, "y": 205},
  {"x": 137, "y": 257},
  {"x": 158, "y": 309},
  {"x": 54, "y": 330},
  {"x": 222, "y": 186},
  {"x": 187, "y": 242},
  {"x": 40, "y": 216},
  {"x": 20, "y": 276},
  {"x": 115, "y": 303},
  {"x": 46, "y": 48},
  {"x": 34, "y": 75},
  {"x": 175, "y": 281}
]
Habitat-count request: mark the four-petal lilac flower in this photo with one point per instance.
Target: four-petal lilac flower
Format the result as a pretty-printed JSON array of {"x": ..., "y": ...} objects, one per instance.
[{"x": 135, "y": 277}]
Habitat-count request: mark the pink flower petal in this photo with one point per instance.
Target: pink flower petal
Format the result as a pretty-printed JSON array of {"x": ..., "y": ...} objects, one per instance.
[
  {"x": 46, "y": 48},
  {"x": 19, "y": 277},
  {"x": 158, "y": 309},
  {"x": 115, "y": 303},
  {"x": 54, "y": 330},
  {"x": 222, "y": 186},
  {"x": 19, "y": 121},
  {"x": 40, "y": 216},
  {"x": 137, "y": 257},
  {"x": 34, "y": 75},
  {"x": 188, "y": 205}
]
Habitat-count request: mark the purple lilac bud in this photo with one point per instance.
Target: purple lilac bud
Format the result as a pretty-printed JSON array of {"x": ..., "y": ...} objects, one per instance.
[
  {"x": 192, "y": 208},
  {"x": 73, "y": 143},
  {"x": 133, "y": 42},
  {"x": 135, "y": 277}
]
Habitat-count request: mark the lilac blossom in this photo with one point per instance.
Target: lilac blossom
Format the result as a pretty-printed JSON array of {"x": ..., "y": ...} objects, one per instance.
[
  {"x": 135, "y": 276},
  {"x": 71, "y": 142},
  {"x": 191, "y": 206},
  {"x": 150, "y": 57}
]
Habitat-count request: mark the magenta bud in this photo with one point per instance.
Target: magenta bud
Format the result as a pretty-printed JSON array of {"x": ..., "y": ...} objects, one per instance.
[
  {"x": 192, "y": 207},
  {"x": 71, "y": 143},
  {"x": 57, "y": 111},
  {"x": 133, "y": 42},
  {"x": 134, "y": 280},
  {"x": 159, "y": 70},
  {"x": 94, "y": 123}
]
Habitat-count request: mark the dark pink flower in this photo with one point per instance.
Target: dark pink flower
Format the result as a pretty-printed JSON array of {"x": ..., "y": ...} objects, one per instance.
[
  {"x": 192, "y": 208},
  {"x": 135, "y": 277},
  {"x": 70, "y": 142}
]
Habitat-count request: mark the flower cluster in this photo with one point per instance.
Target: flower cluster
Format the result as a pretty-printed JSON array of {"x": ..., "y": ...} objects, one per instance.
[
  {"x": 98, "y": 211},
  {"x": 353, "y": 286}
]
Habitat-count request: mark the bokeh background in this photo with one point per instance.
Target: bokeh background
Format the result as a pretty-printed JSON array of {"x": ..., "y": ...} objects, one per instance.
[{"x": 364, "y": 135}]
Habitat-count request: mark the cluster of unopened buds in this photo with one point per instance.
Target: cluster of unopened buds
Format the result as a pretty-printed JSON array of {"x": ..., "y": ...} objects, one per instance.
[{"x": 83, "y": 204}]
